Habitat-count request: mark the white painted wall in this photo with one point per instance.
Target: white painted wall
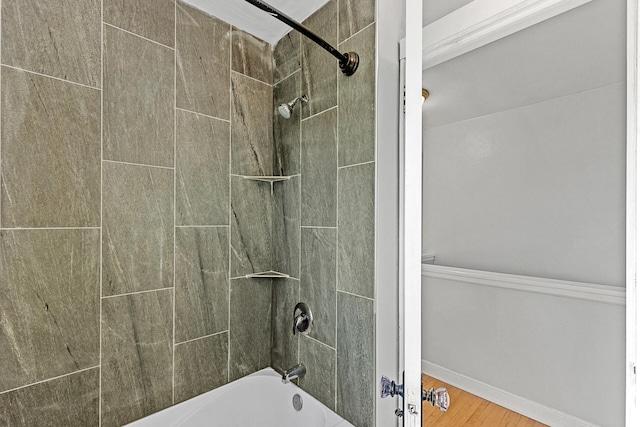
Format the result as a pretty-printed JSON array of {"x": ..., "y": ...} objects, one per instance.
[
  {"x": 524, "y": 143},
  {"x": 537, "y": 190},
  {"x": 389, "y": 28},
  {"x": 558, "y": 352},
  {"x": 529, "y": 177},
  {"x": 432, "y": 10}
]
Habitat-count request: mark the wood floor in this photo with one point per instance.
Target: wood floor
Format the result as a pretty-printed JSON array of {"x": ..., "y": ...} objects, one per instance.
[{"x": 469, "y": 410}]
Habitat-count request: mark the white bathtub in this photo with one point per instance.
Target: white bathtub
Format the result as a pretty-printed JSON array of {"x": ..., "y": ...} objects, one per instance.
[{"x": 259, "y": 399}]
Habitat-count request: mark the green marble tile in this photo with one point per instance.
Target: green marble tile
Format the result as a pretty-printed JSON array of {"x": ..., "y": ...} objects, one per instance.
[
  {"x": 251, "y": 56},
  {"x": 319, "y": 68},
  {"x": 286, "y": 56},
  {"x": 357, "y": 112},
  {"x": 49, "y": 304},
  {"x": 152, "y": 19},
  {"x": 356, "y": 360},
  {"x": 203, "y": 62},
  {"x": 319, "y": 380},
  {"x": 251, "y": 127},
  {"x": 354, "y": 15},
  {"x": 284, "y": 345},
  {"x": 250, "y": 327},
  {"x": 50, "y": 152},
  {"x": 286, "y": 132},
  {"x": 138, "y": 100},
  {"x": 319, "y": 170},
  {"x": 59, "y": 39},
  {"x": 69, "y": 401},
  {"x": 202, "y": 170},
  {"x": 202, "y": 282},
  {"x": 137, "y": 239},
  {"x": 356, "y": 230},
  {"x": 286, "y": 227},
  {"x": 318, "y": 281},
  {"x": 201, "y": 366},
  {"x": 137, "y": 356},
  {"x": 251, "y": 225}
]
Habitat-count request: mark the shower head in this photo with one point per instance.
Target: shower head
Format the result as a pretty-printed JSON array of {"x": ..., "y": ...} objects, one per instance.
[{"x": 286, "y": 109}]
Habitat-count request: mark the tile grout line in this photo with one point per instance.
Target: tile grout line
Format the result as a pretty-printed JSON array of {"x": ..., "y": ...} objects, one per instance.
[
  {"x": 175, "y": 173},
  {"x": 137, "y": 164},
  {"x": 202, "y": 226},
  {"x": 200, "y": 114},
  {"x": 354, "y": 295},
  {"x": 320, "y": 342},
  {"x": 0, "y": 116},
  {"x": 50, "y": 379},
  {"x": 48, "y": 228},
  {"x": 137, "y": 35},
  {"x": 374, "y": 318},
  {"x": 229, "y": 211},
  {"x": 285, "y": 78},
  {"x": 101, "y": 203},
  {"x": 249, "y": 77},
  {"x": 49, "y": 77},
  {"x": 200, "y": 338},
  {"x": 356, "y": 164},
  {"x": 299, "y": 89},
  {"x": 335, "y": 107},
  {"x": 137, "y": 293},
  {"x": 335, "y": 372},
  {"x": 356, "y": 33}
]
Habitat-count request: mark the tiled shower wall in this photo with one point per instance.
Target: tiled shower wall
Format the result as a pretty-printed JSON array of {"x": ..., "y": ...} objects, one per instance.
[
  {"x": 331, "y": 143},
  {"x": 126, "y": 226}
]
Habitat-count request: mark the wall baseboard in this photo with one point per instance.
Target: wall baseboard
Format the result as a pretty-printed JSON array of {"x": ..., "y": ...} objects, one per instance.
[{"x": 528, "y": 408}]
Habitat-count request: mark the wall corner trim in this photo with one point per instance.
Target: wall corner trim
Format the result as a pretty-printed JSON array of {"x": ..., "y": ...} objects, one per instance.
[
  {"x": 481, "y": 22},
  {"x": 528, "y": 408},
  {"x": 560, "y": 288}
]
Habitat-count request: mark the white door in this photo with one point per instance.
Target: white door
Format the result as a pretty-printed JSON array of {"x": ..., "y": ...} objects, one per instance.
[{"x": 410, "y": 405}]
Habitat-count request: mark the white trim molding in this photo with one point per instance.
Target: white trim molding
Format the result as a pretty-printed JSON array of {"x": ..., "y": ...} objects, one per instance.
[
  {"x": 528, "y": 408},
  {"x": 562, "y": 288},
  {"x": 428, "y": 258},
  {"x": 481, "y": 22},
  {"x": 632, "y": 405}
]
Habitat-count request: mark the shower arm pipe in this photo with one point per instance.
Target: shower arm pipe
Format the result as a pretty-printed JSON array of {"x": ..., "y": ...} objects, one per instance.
[{"x": 348, "y": 61}]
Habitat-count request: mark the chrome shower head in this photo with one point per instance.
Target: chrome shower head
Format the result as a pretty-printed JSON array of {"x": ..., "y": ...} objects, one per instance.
[{"x": 286, "y": 110}]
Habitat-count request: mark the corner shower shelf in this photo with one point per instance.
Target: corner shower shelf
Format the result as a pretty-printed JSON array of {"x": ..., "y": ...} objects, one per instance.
[
  {"x": 269, "y": 179},
  {"x": 268, "y": 275}
]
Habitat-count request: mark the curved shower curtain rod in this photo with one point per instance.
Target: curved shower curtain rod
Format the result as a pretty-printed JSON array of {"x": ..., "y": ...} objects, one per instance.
[{"x": 348, "y": 61}]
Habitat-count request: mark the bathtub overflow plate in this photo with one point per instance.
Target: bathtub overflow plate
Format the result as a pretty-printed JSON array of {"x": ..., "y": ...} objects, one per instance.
[{"x": 297, "y": 402}]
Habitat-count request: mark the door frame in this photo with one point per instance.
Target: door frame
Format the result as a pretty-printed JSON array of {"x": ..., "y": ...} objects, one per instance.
[
  {"x": 410, "y": 216},
  {"x": 449, "y": 41},
  {"x": 632, "y": 416}
]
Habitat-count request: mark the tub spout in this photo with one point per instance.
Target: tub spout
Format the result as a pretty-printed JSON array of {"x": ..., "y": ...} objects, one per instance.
[{"x": 291, "y": 374}]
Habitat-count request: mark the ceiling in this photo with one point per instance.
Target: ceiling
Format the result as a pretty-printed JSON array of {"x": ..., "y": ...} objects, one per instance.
[
  {"x": 249, "y": 18},
  {"x": 432, "y": 10},
  {"x": 579, "y": 50}
]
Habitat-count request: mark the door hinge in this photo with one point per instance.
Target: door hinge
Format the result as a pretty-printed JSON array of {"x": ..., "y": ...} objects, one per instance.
[{"x": 404, "y": 99}]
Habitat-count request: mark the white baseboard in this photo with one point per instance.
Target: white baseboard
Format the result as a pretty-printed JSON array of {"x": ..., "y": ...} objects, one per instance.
[{"x": 528, "y": 408}]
